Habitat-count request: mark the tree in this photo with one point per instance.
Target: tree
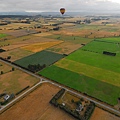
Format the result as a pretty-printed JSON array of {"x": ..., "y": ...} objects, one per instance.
[
  {"x": 8, "y": 57},
  {"x": 13, "y": 68},
  {"x": 1, "y": 72}
]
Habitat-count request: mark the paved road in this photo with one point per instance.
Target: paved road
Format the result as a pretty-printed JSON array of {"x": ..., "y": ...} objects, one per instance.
[
  {"x": 56, "y": 84},
  {"x": 20, "y": 96}
]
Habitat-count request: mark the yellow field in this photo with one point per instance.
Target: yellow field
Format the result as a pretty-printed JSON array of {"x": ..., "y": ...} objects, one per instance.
[{"x": 41, "y": 46}]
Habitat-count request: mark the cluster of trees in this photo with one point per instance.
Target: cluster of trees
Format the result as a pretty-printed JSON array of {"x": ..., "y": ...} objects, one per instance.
[
  {"x": 109, "y": 53},
  {"x": 56, "y": 28},
  {"x": 56, "y": 97},
  {"x": 8, "y": 71},
  {"x": 89, "y": 110},
  {"x": 74, "y": 113},
  {"x": 22, "y": 90},
  {"x": 36, "y": 68},
  {"x": 1, "y": 50},
  {"x": 12, "y": 96}
]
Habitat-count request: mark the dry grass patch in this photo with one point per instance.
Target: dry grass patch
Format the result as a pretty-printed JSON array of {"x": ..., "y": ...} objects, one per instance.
[
  {"x": 16, "y": 80},
  {"x": 42, "y": 34},
  {"x": 4, "y": 67},
  {"x": 65, "y": 48},
  {"x": 16, "y": 54},
  {"x": 41, "y": 46}
]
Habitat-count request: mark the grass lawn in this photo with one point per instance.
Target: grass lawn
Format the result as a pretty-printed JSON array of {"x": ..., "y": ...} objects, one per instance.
[{"x": 98, "y": 89}]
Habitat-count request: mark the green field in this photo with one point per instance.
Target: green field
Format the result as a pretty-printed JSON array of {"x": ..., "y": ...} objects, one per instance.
[
  {"x": 110, "y": 63},
  {"x": 98, "y": 89},
  {"x": 2, "y": 35},
  {"x": 99, "y": 47},
  {"x": 111, "y": 39},
  {"x": 90, "y": 71},
  {"x": 74, "y": 39},
  {"x": 44, "y": 57}
]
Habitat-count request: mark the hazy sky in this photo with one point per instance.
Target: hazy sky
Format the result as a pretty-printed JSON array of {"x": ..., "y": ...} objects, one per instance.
[{"x": 54, "y": 5}]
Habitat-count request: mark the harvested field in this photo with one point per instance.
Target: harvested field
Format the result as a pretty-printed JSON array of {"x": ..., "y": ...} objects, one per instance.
[
  {"x": 22, "y": 41},
  {"x": 19, "y": 33},
  {"x": 16, "y": 54},
  {"x": 4, "y": 67},
  {"x": 42, "y": 34},
  {"x": 100, "y": 114},
  {"x": 74, "y": 32},
  {"x": 68, "y": 38},
  {"x": 13, "y": 26},
  {"x": 67, "y": 25},
  {"x": 103, "y": 34},
  {"x": 15, "y": 41},
  {"x": 65, "y": 48},
  {"x": 36, "y": 106},
  {"x": 41, "y": 46},
  {"x": 12, "y": 47},
  {"x": 14, "y": 81}
]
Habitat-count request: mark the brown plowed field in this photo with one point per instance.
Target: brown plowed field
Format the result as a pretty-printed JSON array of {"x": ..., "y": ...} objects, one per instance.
[
  {"x": 100, "y": 114},
  {"x": 36, "y": 106}
]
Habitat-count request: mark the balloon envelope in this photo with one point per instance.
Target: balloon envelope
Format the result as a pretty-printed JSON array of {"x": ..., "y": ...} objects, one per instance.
[{"x": 62, "y": 10}]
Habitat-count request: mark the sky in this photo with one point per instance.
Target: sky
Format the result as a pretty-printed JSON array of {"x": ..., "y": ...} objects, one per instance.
[{"x": 55, "y": 5}]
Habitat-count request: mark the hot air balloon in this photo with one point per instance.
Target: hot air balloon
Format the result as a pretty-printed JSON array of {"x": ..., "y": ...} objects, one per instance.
[{"x": 62, "y": 10}]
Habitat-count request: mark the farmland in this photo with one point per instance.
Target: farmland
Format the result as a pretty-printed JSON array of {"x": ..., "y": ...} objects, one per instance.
[
  {"x": 100, "y": 114},
  {"x": 100, "y": 46},
  {"x": 96, "y": 60},
  {"x": 71, "y": 52},
  {"x": 94, "y": 72},
  {"x": 43, "y": 57},
  {"x": 14, "y": 81},
  {"x": 70, "y": 38},
  {"x": 36, "y": 106},
  {"x": 91, "y": 86},
  {"x": 20, "y": 54},
  {"x": 65, "y": 48},
  {"x": 110, "y": 39},
  {"x": 89, "y": 64},
  {"x": 41, "y": 46},
  {"x": 19, "y": 33}
]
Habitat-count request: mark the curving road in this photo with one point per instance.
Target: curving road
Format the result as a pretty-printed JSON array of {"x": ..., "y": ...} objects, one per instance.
[{"x": 42, "y": 80}]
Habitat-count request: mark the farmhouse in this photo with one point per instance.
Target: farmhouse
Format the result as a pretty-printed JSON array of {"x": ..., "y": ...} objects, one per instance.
[
  {"x": 79, "y": 108},
  {"x": 6, "y": 97}
]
